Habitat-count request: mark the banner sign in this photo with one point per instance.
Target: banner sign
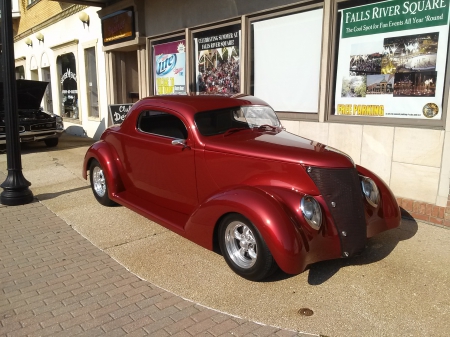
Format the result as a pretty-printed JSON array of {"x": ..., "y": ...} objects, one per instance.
[
  {"x": 118, "y": 112},
  {"x": 391, "y": 16},
  {"x": 217, "y": 60},
  {"x": 169, "y": 68},
  {"x": 392, "y": 59}
]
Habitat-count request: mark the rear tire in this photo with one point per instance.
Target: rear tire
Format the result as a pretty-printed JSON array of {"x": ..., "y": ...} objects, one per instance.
[
  {"x": 99, "y": 184},
  {"x": 51, "y": 142},
  {"x": 244, "y": 249}
]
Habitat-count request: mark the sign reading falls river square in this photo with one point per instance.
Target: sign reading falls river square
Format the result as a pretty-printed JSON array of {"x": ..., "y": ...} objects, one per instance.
[
  {"x": 392, "y": 59},
  {"x": 390, "y": 16}
]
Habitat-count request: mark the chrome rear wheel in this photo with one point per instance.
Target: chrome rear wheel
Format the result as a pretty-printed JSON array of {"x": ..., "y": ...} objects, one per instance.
[
  {"x": 98, "y": 181},
  {"x": 99, "y": 184}
]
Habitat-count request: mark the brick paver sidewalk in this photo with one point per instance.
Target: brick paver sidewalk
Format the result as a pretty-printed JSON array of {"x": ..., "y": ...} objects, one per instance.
[{"x": 55, "y": 282}]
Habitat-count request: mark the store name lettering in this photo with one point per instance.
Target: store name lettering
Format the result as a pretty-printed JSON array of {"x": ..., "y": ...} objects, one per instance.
[
  {"x": 165, "y": 64},
  {"x": 360, "y": 110},
  {"x": 407, "y": 8},
  {"x": 218, "y": 41},
  {"x": 219, "y": 37},
  {"x": 68, "y": 74}
]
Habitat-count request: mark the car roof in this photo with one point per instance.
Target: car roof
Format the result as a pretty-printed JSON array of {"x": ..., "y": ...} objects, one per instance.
[{"x": 192, "y": 103}]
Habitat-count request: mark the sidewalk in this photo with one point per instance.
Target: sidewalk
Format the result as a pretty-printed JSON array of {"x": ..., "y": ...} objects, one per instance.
[
  {"x": 397, "y": 287},
  {"x": 55, "y": 282}
]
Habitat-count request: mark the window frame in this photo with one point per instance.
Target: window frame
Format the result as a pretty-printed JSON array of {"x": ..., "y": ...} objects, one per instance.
[
  {"x": 161, "y": 39},
  {"x": 278, "y": 13},
  {"x": 192, "y": 57},
  {"x": 58, "y": 50},
  {"x": 88, "y": 45}
]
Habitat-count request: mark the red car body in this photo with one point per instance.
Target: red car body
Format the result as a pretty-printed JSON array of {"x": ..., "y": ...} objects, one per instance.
[{"x": 259, "y": 173}]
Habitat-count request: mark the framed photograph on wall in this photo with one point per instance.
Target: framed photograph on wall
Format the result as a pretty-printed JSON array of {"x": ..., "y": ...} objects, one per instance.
[
  {"x": 217, "y": 60},
  {"x": 392, "y": 60}
]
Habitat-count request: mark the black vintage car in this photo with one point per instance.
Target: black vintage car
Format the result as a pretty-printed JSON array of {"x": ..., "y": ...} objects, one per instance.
[{"x": 34, "y": 123}]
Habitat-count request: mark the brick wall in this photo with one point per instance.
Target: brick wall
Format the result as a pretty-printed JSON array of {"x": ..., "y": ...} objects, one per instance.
[
  {"x": 426, "y": 212},
  {"x": 40, "y": 11}
]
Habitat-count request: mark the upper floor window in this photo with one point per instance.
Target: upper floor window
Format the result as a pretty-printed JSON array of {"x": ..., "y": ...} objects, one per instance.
[{"x": 32, "y": 2}]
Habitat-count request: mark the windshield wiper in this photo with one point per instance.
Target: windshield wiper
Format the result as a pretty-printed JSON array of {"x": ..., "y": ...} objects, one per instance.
[{"x": 233, "y": 130}]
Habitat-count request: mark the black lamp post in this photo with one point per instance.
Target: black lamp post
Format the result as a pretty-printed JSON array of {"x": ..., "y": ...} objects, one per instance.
[{"x": 15, "y": 187}]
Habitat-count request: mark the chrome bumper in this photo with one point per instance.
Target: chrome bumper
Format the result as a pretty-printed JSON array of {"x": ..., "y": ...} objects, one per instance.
[{"x": 33, "y": 136}]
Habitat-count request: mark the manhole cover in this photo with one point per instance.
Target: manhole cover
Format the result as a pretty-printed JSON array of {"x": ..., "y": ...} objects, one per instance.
[{"x": 306, "y": 312}]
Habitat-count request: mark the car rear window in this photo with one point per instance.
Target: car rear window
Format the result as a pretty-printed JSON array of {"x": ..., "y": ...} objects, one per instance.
[{"x": 161, "y": 123}]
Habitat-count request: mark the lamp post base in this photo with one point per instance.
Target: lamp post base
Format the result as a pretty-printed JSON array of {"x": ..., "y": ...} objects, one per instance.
[{"x": 15, "y": 189}]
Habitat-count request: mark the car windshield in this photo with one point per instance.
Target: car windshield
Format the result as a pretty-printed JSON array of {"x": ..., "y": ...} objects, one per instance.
[{"x": 216, "y": 122}]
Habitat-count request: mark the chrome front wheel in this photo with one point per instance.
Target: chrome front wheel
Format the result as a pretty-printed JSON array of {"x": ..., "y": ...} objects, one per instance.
[
  {"x": 244, "y": 249},
  {"x": 241, "y": 244}
]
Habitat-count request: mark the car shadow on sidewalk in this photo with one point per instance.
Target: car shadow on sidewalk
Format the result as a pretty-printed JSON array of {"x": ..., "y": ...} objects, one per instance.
[
  {"x": 47, "y": 196},
  {"x": 377, "y": 248}
]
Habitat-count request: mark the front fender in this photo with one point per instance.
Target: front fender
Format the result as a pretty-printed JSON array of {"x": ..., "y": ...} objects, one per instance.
[
  {"x": 387, "y": 215},
  {"x": 264, "y": 211},
  {"x": 110, "y": 163}
]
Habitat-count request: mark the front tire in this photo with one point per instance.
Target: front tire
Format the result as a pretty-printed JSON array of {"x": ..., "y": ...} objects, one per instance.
[
  {"x": 99, "y": 185},
  {"x": 51, "y": 142},
  {"x": 244, "y": 249}
]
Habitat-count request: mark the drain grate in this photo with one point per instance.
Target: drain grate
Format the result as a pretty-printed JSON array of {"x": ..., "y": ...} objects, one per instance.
[{"x": 306, "y": 312}]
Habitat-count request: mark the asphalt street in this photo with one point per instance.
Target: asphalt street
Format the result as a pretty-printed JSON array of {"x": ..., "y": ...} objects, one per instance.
[{"x": 397, "y": 287}]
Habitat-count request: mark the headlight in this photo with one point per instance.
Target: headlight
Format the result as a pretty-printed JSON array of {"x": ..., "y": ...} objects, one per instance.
[
  {"x": 370, "y": 191},
  {"x": 311, "y": 211}
]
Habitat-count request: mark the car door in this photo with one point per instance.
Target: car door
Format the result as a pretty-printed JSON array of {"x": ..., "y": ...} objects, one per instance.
[{"x": 162, "y": 172}]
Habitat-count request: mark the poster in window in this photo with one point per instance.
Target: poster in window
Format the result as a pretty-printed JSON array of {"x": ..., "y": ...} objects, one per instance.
[
  {"x": 217, "y": 60},
  {"x": 169, "y": 68},
  {"x": 392, "y": 59}
]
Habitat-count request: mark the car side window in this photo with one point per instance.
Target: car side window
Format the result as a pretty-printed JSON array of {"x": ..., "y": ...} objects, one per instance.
[{"x": 162, "y": 123}]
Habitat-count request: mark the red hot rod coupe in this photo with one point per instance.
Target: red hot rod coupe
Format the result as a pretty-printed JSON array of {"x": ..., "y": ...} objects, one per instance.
[{"x": 223, "y": 173}]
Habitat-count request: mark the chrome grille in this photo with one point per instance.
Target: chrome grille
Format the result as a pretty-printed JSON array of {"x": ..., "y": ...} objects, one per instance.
[
  {"x": 341, "y": 190},
  {"x": 43, "y": 126}
]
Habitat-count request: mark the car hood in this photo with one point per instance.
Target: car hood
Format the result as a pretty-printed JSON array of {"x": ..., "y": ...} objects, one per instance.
[
  {"x": 29, "y": 94},
  {"x": 280, "y": 146}
]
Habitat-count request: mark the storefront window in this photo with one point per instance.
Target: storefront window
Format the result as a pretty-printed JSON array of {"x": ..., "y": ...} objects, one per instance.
[
  {"x": 286, "y": 53},
  {"x": 392, "y": 59},
  {"x": 91, "y": 82},
  {"x": 169, "y": 67},
  {"x": 67, "y": 73},
  {"x": 217, "y": 60}
]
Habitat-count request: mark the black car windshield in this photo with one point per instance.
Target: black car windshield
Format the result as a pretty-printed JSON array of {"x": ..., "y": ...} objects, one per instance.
[{"x": 217, "y": 122}]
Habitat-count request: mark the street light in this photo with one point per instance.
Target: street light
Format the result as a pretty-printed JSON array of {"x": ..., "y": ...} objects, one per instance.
[{"x": 15, "y": 187}]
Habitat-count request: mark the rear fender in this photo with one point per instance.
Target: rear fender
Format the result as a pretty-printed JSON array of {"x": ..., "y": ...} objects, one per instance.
[
  {"x": 110, "y": 163},
  {"x": 264, "y": 211}
]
